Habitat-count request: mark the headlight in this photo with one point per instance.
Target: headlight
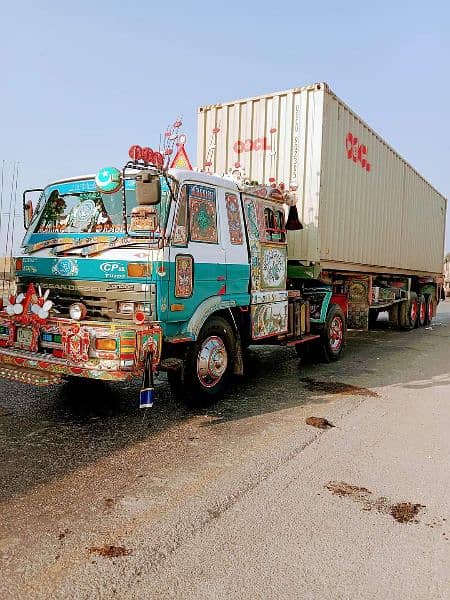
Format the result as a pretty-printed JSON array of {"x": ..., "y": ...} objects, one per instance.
[
  {"x": 130, "y": 308},
  {"x": 77, "y": 311},
  {"x": 126, "y": 308}
]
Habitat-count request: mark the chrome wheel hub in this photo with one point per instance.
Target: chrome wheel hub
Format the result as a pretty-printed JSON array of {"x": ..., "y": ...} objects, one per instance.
[{"x": 212, "y": 361}]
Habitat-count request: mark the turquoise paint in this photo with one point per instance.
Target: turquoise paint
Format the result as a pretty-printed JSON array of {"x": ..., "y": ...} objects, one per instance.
[
  {"x": 324, "y": 308},
  {"x": 85, "y": 269},
  {"x": 206, "y": 286}
]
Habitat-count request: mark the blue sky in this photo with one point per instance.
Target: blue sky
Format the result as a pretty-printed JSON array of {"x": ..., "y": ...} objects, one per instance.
[{"x": 82, "y": 81}]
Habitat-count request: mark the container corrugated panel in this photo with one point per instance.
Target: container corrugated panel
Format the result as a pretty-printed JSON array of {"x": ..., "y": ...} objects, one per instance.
[{"x": 362, "y": 205}]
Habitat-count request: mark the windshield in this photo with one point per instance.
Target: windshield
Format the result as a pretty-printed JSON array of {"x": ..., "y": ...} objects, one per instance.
[{"x": 79, "y": 207}]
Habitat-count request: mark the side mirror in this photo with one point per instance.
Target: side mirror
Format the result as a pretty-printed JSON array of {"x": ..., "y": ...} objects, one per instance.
[
  {"x": 28, "y": 213},
  {"x": 148, "y": 189},
  {"x": 27, "y": 205}
]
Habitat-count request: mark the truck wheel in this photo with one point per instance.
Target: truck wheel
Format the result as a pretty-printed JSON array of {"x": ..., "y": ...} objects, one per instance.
[
  {"x": 408, "y": 312},
  {"x": 334, "y": 334},
  {"x": 429, "y": 302},
  {"x": 394, "y": 315},
  {"x": 207, "y": 364},
  {"x": 422, "y": 312}
]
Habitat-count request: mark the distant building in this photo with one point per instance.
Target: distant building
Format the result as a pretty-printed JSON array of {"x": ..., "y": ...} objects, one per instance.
[{"x": 447, "y": 274}]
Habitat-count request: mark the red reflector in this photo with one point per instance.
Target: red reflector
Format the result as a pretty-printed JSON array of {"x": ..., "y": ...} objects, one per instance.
[{"x": 139, "y": 317}]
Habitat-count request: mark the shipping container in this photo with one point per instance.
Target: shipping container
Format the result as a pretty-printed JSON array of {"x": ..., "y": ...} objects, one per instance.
[{"x": 363, "y": 207}]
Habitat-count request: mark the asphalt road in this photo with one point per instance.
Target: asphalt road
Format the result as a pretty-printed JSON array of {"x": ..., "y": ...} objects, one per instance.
[{"x": 244, "y": 499}]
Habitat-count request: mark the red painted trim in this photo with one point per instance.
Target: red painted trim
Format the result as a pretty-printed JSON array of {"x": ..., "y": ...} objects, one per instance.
[
  {"x": 303, "y": 340},
  {"x": 342, "y": 301}
]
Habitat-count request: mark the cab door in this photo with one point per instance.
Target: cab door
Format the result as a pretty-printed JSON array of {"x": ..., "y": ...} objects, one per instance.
[
  {"x": 197, "y": 265},
  {"x": 235, "y": 245}
]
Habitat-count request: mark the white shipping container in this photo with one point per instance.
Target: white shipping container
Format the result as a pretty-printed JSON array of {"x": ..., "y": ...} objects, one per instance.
[{"x": 363, "y": 207}]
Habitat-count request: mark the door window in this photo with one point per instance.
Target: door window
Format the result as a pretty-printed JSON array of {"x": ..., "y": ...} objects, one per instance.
[{"x": 181, "y": 229}]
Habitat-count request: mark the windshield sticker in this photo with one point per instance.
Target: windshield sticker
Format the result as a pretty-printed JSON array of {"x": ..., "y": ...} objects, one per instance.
[{"x": 83, "y": 214}]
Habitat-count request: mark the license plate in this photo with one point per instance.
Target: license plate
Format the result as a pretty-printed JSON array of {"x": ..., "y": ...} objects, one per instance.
[{"x": 24, "y": 336}]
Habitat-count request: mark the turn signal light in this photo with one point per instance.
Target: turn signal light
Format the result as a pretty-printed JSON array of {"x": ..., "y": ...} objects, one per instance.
[
  {"x": 138, "y": 270},
  {"x": 105, "y": 344},
  {"x": 19, "y": 264}
]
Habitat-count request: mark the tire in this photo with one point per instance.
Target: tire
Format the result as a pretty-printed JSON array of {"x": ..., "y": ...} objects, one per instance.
[
  {"x": 334, "y": 334},
  {"x": 422, "y": 312},
  {"x": 430, "y": 304},
  {"x": 207, "y": 364},
  {"x": 394, "y": 315},
  {"x": 408, "y": 312}
]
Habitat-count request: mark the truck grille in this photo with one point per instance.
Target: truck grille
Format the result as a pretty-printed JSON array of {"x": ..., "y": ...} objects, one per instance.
[{"x": 100, "y": 299}]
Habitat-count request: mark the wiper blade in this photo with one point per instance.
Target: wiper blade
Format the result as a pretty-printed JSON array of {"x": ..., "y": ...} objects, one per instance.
[
  {"x": 83, "y": 243},
  {"x": 51, "y": 243},
  {"x": 96, "y": 247}
]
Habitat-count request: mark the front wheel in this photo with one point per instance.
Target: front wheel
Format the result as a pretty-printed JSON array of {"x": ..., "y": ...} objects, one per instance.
[
  {"x": 334, "y": 334},
  {"x": 207, "y": 364}
]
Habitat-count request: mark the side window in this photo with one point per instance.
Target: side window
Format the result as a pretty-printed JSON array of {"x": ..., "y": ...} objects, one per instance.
[
  {"x": 202, "y": 214},
  {"x": 274, "y": 225},
  {"x": 181, "y": 225},
  {"x": 269, "y": 223},
  {"x": 280, "y": 229}
]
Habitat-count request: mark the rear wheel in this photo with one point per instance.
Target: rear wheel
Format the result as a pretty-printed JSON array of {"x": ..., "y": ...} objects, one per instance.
[
  {"x": 409, "y": 310},
  {"x": 422, "y": 312},
  {"x": 334, "y": 334},
  {"x": 429, "y": 310},
  {"x": 394, "y": 315}
]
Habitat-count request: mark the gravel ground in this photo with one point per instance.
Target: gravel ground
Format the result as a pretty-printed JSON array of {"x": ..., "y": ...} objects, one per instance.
[{"x": 243, "y": 499}]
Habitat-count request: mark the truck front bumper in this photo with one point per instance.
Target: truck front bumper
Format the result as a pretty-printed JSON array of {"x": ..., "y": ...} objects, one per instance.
[{"x": 38, "y": 359}]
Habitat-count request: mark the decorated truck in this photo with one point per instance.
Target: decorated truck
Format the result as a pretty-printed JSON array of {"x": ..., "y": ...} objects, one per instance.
[{"x": 313, "y": 225}]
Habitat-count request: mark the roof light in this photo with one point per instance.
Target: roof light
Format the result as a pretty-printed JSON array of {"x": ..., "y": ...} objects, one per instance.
[{"x": 108, "y": 180}]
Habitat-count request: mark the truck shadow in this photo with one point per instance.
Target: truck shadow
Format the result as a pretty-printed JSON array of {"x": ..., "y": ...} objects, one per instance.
[{"x": 46, "y": 433}]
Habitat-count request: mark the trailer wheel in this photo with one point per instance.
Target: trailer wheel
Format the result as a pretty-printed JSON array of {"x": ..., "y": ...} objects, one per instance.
[
  {"x": 408, "y": 312},
  {"x": 429, "y": 302},
  {"x": 334, "y": 334},
  {"x": 207, "y": 364},
  {"x": 394, "y": 315},
  {"x": 422, "y": 312}
]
